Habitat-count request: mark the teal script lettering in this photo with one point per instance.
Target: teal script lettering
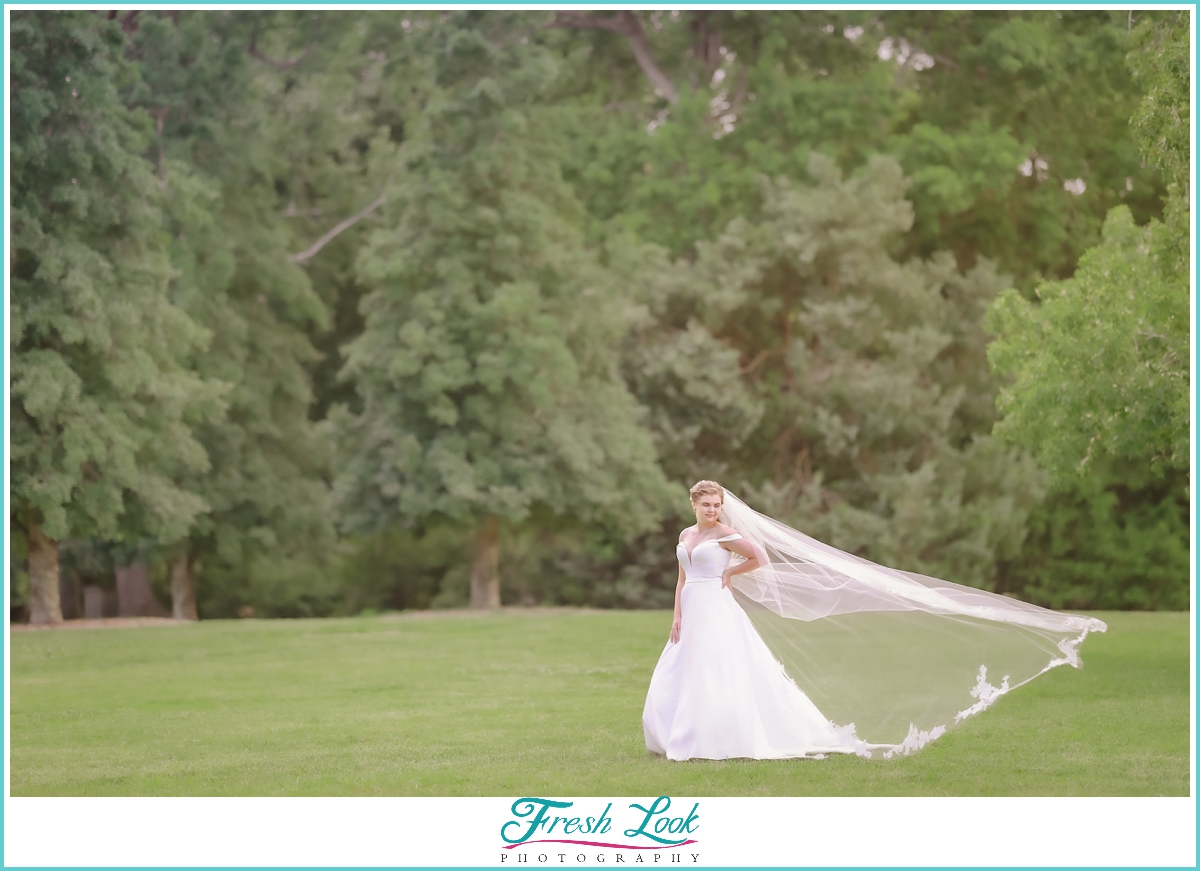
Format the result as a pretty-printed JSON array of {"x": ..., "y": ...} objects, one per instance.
[
  {"x": 528, "y": 807},
  {"x": 651, "y": 827}
]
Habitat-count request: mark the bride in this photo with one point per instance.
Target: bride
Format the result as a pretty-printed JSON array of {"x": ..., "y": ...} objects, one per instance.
[{"x": 888, "y": 659}]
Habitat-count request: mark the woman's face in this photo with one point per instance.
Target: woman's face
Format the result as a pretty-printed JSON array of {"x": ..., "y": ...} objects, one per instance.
[{"x": 708, "y": 507}]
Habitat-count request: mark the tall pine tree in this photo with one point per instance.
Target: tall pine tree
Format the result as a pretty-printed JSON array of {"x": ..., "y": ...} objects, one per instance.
[
  {"x": 103, "y": 404},
  {"x": 871, "y": 374}
]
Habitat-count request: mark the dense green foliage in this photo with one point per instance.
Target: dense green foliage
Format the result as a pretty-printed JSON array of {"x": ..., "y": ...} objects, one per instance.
[
  {"x": 426, "y": 705},
  {"x": 867, "y": 395},
  {"x": 267, "y": 488},
  {"x": 1101, "y": 362},
  {"x": 328, "y": 311},
  {"x": 1100, "y": 389},
  {"x": 103, "y": 403},
  {"x": 1107, "y": 538},
  {"x": 984, "y": 109},
  {"x": 486, "y": 367}
]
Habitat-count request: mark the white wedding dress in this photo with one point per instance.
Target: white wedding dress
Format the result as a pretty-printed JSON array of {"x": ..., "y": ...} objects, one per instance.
[{"x": 719, "y": 693}]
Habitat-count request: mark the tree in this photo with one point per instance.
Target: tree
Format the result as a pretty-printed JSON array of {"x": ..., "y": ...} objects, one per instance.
[
  {"x": 231, "y": 241},
  {"x": 103, "y": 405},
  {"x": 999, "y": 168},
  {"x": 487, "y": 369},
  {"x": 1011, "y": 125},
  {"x": 1099, "y": 365},
  {"x": 1116, "y": 538},
  {"x": 870, "y": 369},
  {"x": 333, "y": 123}
]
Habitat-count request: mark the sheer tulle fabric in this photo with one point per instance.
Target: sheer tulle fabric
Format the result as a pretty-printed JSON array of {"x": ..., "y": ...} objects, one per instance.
[{"x": 891, "y": 658}]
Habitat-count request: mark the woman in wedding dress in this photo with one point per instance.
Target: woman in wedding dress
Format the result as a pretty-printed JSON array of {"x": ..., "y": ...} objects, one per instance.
[
  {"x": 887, "y": 659},
  {"x": 717, "y": 692}
]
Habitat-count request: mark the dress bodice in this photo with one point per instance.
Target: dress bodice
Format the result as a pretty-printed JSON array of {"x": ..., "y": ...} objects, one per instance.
[{"x": 707, "y": 560}]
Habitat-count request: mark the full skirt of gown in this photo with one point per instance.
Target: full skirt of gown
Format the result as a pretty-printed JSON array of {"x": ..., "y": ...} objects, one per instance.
[{"x": 719, "y": 693}]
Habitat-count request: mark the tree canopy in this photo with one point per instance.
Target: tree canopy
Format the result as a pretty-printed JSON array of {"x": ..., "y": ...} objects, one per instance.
[
  {"x": 1100, "y": 362},
  {"x": 319, "y": 311}
]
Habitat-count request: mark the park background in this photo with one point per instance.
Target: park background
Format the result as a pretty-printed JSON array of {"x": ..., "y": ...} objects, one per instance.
[
  {"x": 321, "y": 313},
  {"x": 384, "y": 319}
]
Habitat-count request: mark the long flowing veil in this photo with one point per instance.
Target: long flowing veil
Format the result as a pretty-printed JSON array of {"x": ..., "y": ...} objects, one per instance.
[{"x": 891, "y": 658}]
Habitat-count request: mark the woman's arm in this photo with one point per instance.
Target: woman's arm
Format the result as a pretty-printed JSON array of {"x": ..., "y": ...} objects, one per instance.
[
  {"x": 675, "y": 625},
  {"x": 752, "y": 553}
]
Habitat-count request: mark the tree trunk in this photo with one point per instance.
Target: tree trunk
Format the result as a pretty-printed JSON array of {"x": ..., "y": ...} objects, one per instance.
[
  {"x": 44, "y": 604},
  {"x": 183, "y": 588},
  {"x": 485, "y": 578}
]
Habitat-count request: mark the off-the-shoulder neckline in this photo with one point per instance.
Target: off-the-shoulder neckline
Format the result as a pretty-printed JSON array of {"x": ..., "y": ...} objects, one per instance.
[{"x": 706, "y": 541}]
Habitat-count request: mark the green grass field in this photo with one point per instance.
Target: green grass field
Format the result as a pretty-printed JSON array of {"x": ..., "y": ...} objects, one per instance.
[{"x": 526, "y": 703}]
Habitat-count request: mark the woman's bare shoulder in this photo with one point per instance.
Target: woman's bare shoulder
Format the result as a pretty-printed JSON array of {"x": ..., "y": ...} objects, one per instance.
[
  {"x": 725, "y": 530},
  {"x": 686, "y": 531}
]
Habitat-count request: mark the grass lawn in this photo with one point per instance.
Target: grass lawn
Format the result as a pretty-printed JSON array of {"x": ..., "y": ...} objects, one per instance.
[{"x": 526, "y": 703}]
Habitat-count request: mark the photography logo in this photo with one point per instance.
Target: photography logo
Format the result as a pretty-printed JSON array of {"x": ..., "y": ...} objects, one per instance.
[{"x": 652, "y": 830}]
